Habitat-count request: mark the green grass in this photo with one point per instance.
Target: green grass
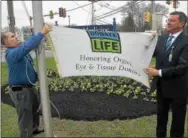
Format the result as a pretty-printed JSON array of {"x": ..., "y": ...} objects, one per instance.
[
  {"x": 153, "y": 61},
  {"x": 141, "y": 127},
  {"x": 9, "y": 127},
  {"x": 4, "y": 73},
  {"x": 116, "y": 128},
  {"x": 50, "y": 63}
]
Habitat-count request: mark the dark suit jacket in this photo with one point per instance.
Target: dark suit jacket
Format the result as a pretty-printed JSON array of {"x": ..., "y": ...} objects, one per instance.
[{"x": 174, "y": 81}]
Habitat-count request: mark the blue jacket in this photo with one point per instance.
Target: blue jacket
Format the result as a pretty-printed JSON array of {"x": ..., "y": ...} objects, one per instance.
[{"x": 18, "y": 58}]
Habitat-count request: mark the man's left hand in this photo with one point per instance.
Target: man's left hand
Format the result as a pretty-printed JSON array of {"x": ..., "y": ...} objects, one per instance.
[{"x": 152, "y": 71}]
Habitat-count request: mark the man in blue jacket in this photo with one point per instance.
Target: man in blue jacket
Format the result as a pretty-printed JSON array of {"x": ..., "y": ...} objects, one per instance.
[{"x": 22, "y": 78}]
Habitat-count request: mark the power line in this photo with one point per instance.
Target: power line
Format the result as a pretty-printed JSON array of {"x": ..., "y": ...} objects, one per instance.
[
  {"x": 55, "y": 13},
  {"x": 106, "y": 20},
  {"x": 98, "y": 9},
  {"x": 106, "y": 6},
  {"x": 114, "y": 11},
  {"x": 98, "y": 23},
  {"x": 25, "y": 8},
  {"x": 88, "y": 17},
  {"x": 80, "y": 6},
  {"x": 109, "y": 13},
  {"x": 103, "y": 22},
  {"x": 27, "y": 12}
]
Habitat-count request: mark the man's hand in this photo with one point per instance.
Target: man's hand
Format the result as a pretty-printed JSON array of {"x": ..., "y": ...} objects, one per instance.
[
  {"x": 154, "y": 34},
  {"x": 31, "y": 30},
  {"x": 46, "y": 29},
  {"x": 152, "y": 72}
]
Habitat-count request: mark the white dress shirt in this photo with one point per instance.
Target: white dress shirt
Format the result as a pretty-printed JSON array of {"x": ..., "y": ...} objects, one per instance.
[{"x": 173, "y": 39}]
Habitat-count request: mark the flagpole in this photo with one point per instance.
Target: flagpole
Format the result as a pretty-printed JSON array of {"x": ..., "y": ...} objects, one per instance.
[{"x": 44, "y": 92}]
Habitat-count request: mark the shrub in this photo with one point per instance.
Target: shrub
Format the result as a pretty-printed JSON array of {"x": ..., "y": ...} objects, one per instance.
[{"x": 110, "y": 85}]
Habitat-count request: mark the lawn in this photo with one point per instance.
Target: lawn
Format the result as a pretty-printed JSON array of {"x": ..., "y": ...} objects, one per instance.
[{"x": 140, "y": 127}]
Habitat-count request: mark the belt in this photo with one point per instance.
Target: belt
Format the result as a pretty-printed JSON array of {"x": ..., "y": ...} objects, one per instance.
[{"x": 22, "y": 85}]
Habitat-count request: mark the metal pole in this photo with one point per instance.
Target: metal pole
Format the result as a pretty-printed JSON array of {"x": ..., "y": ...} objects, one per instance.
[
  {"x": 11, "y": 16},
  {"x": 56, "y": 23},
  {"x": 69, "y": 19},
  {"x": 114, "y": 24},
  {"x": 153, "y": 6},
  {"x": 92, "y": 12},
  {"x": 154, "y": 24},
  {"x": 134, "y": 3},
  {"x": 44, "y": 92}
]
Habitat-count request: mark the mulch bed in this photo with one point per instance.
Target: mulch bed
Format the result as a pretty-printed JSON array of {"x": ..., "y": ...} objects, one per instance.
[{"x": 94, "y": 106}]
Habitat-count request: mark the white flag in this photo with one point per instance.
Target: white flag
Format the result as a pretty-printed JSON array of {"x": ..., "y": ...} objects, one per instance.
[{"x": 93, "y": 53}]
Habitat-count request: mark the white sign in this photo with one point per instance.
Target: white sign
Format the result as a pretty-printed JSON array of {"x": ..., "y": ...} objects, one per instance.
[{"x": 92, "y": 53}]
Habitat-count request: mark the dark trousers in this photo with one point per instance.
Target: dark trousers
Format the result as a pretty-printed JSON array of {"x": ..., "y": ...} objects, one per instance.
[
  {"x": 178, "y": 107},
  {"x": 26, "y": 102}
]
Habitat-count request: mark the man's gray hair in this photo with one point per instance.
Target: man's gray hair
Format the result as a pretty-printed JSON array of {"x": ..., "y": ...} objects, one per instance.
[{"x": 3, "y": 38}]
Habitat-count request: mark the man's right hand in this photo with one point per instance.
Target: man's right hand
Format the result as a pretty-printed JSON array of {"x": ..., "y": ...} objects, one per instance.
[{"x": 46, "y": 29}]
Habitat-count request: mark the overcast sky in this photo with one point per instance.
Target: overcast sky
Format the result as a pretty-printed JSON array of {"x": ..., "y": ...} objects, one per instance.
[{"x": 80, "y": 16}]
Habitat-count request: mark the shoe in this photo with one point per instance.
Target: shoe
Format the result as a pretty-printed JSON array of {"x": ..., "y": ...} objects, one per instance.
[{"x": 37, "y": 131}]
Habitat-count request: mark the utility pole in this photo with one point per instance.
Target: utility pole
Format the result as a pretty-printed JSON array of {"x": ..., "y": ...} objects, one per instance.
[
  {"x": 159, "y": 17},
  {"x": 153, "y": 6},
  {"x": 154, "y": 25},
  {"x": 114, "y": 24},
  {"x": 69, "y": 19},
  {"x": 56, "y": 23},
  {"x": 11, "y": 18},
  {"x": 92, "y": 12},
  {"x": 44, "y": 92}
]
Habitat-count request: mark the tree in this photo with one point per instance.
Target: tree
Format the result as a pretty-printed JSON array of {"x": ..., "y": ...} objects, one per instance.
[
  {"x": 26, "y": 32},
  {"x": 158, "y": 8},
  {"x": 136, "y": 11},
  {"x": 118, "y": 27},
  {"x": 128, "y": 24},
  {"x": 130, "y": 11}
]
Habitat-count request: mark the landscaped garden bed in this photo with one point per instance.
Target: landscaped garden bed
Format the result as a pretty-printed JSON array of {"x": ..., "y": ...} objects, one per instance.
[{"x": 96, "y": 98}]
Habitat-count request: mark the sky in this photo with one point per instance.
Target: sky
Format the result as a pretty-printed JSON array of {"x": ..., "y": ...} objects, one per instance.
[{"x": 80, "y": 16}]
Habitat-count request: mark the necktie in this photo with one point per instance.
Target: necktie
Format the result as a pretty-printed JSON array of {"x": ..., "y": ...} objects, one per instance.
[{"x": 169, "y": 43}]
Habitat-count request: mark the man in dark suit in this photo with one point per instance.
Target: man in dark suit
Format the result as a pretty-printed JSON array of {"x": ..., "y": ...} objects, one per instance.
[{"x": 171, "y": 73}]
